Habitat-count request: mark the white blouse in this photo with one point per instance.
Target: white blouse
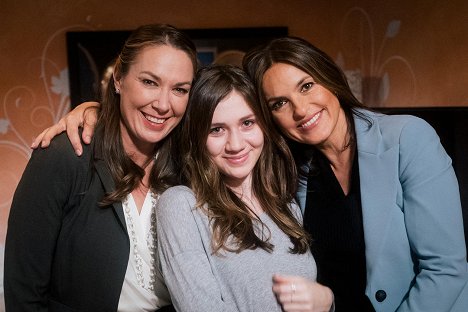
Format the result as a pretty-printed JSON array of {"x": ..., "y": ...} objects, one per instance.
[{"x": 143, "y": 288}]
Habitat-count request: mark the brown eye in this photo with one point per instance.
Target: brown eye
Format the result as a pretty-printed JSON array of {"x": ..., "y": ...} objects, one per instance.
[
  {"x": 181, "y": 91},
  {"x": 148, "y": 82},
  {"x": 278, "y": 104},
  {"x": 307, "y": 86},
  {"x": 248, "y": 123},
  {"x": 215, "y": 130}
]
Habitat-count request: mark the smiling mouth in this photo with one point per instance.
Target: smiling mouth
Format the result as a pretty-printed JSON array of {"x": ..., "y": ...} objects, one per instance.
[
  {"x": 155, "y": 119},
  {"x": 312, "y": 120},
  {"x": 237, "y": 159}
]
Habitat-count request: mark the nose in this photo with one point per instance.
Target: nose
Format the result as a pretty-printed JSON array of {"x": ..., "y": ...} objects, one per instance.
[
  {"x": 299, "y": 108},
  {"x": 235, "y": 142},
  {"x": 161, "y": 101}
]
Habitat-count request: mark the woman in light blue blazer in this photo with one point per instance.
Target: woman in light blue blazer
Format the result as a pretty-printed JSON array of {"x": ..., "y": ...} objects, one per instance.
[{"x": 379, "y": 193}]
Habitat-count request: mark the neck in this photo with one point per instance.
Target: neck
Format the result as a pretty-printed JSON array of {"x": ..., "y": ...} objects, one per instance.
[
  {"x": 140, "y": 152},
  {"x": 240, "y": 187},
  {"x": 338, "y": 148},
  {"x": 339, "y": 157},
  {"x": 245, "y": 193},
  {"x": 139, "y": 193}
]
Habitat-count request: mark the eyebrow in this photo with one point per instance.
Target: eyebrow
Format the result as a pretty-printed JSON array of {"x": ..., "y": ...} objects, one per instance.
[
  {"x": 248, "y": 116},
  {"x": 158, "y": 79},
  {"x": 298, "y": 84}
]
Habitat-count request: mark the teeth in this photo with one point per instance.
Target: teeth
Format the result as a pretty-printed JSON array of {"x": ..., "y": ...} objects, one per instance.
[
  {"x": 155, "y": 120},
  {"x": 314, "y": 119}
]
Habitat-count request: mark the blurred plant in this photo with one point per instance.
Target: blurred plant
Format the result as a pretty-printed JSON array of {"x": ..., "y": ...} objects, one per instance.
[{"x": 375, "y": 79}]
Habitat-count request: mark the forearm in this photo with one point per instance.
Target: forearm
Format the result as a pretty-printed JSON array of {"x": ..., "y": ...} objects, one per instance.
[{"x": 192, "y": 285}]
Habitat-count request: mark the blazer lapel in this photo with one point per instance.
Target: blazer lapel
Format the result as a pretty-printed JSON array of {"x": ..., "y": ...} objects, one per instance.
[
  {"x": 109, "y": 186},
  {"x": 378, "y": 172}
]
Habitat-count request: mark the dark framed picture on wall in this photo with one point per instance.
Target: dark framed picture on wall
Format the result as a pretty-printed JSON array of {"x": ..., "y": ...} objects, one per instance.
[{"x": 91, "y": 53}]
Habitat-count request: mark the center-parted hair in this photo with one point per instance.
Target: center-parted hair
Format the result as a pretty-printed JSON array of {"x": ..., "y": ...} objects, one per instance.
[
  {"x": 311, "y": 60},
  {"x": 273, "y": 178},
  {"x": 125, "y": 173}
]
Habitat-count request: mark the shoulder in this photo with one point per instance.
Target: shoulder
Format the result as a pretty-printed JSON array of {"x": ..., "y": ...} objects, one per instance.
[
  {"x": 409, "y": 131},
  {"x": 180, "y": 196},
  {"x": 394, "y": 129},
  {"x": 176, "y": 208},
  {"x": 59, "y": 157},
  {"x": 397, "y": 123},
  {"x": 177, "y": 192}
]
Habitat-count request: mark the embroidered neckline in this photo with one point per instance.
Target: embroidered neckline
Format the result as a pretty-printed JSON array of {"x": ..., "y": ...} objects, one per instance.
[{"x": 151, "y": 242}]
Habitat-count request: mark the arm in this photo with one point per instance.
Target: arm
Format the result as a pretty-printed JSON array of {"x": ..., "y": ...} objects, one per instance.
[
  {"x": 183, "y": 256},
  {"x": 433, "y": 220},
  {"x": 33, "y": 227},
  {"x": 305, "y": 295},
  {"x": 84, "y": 115},
  {"x": 296, "y": 293}
]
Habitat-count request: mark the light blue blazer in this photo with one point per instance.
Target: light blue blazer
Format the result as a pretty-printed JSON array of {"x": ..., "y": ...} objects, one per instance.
[{"x": 412, "y": 218}]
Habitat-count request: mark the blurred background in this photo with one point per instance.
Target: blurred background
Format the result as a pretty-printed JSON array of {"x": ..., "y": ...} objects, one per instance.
[{"x": 395, "y": 53}]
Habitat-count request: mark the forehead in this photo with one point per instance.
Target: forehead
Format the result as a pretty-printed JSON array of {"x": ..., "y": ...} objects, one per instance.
[
  {"x": 283, "y": 71},
  {"x": 164, "y": 60},
  {"x": 282, "y": 76},
  {"x": 232, "y": 108}
]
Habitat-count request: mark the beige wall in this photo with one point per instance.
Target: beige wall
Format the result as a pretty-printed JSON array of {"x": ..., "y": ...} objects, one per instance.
[{"x": 405, "y": 53}]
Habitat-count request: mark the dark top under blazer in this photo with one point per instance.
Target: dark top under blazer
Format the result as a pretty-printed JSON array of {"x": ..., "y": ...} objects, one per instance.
[{"x": 63, "y": 251}]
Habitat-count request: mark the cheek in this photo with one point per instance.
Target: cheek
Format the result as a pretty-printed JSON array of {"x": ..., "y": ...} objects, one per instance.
[
  {"x": 136, "y": 95},
  {"x": 214, "y": 146},
  {"x": 179, "y": 106},
  {"x": 284, "y": 121},
  {"x": 288, "y": 129},
  {"x": 258, "y": 139},
  {"x": 125, "y": 109}
]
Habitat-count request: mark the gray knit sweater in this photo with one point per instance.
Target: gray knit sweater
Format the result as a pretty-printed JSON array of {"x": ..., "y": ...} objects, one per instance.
[{"x": 200, "y": 281}]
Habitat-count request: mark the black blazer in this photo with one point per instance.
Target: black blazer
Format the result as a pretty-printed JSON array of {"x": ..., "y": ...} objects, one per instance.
[{"x": 63, "y": 251}]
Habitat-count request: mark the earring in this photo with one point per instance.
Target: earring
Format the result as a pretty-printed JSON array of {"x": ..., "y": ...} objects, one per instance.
[{"x": 117, "y": 91}]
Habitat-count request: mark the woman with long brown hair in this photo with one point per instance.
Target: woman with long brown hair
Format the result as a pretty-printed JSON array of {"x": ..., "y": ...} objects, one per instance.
[
  {"x": 225, "y": 237},
  {"x": 379, "y": 193},
  {"x": 81, "y": 229}
]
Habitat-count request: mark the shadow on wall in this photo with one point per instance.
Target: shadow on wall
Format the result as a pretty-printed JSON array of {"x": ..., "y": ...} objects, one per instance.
[{"x": 2, "y": 300}]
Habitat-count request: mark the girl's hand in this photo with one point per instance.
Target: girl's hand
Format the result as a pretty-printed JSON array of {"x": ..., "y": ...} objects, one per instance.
[
  {"x": 84, "y": 115},
  {"x": 296, "y": 293}
]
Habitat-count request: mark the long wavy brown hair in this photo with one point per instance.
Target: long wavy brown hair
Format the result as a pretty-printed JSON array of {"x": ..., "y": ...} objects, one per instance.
[
  {"x": 274, "y": 175},
  {"x": 310, "y": 59},
  {"x": 125, "y": 173}
]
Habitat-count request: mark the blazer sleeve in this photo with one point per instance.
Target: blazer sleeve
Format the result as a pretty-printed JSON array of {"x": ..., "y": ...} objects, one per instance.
[
  {"x": 433, "y": 219},
  {"x": 183, "y": 256},
  {"x": 34, "y": 225}
]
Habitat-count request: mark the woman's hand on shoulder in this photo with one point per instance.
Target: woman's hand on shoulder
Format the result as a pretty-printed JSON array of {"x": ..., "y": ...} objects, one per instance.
[
  {"x": 296, "y": 293},
  {"x": 84, "y": 115}
]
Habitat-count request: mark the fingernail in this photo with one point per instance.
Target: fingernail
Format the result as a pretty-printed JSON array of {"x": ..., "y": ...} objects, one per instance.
[
  {"x": 78, "y": 152},
  {"x": 87, "y": 138}
]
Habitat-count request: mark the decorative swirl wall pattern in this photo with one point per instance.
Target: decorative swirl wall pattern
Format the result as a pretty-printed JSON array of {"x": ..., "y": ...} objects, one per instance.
[
  {"x": 23, "y": 114},
  {"x": 371, "y": 76}
]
